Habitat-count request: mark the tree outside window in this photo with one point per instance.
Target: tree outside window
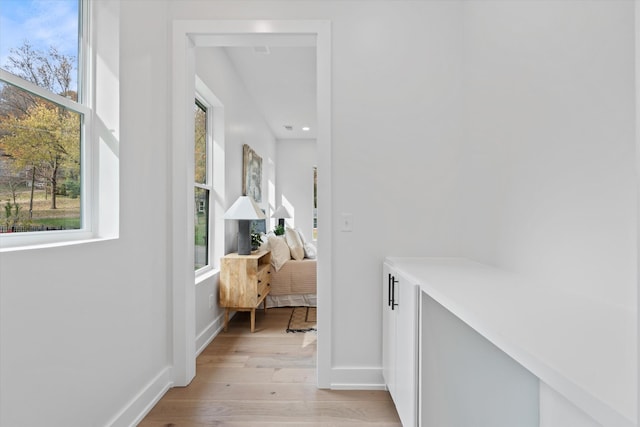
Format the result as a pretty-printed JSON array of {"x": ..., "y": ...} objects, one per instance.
[
  {"x": 40, "y": 128},
  {"x": 202, "y": 188}
]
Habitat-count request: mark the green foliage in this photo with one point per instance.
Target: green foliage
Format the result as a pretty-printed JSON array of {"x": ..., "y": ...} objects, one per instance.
[
  {"x": 279, "y": 230},
  {"x": 64, "y": 223},
  {"x": 256, "y": 240},
  {"x": 11, "y": 214},
  {"x": 72, "y": 188}
]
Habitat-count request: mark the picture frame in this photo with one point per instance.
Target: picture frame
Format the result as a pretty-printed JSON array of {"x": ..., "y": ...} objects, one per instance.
[
  {"x": 251, "y": 173},
  {"x": 258, "y": 225}
]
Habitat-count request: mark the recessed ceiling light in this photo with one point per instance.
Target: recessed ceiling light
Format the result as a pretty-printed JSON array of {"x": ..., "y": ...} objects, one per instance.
[{"x": 306, "y": 128}]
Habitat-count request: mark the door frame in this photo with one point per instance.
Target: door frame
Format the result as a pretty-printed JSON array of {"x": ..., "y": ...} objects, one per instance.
[{"x": 187, "y": 35}]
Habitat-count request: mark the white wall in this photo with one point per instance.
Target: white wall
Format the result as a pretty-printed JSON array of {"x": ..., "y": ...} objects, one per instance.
[
  {"x": 549, "y": 155},
  {"x": 84, "y": 328},
  {"x": 243, "y": 124},
  {"x": 294, "y": 177}
]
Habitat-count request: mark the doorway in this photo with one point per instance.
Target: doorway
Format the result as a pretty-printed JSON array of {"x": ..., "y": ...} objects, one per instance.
[{"x": 187, "y": 36}]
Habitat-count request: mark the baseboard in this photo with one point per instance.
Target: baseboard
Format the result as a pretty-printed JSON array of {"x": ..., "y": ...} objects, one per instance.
[
  {"x": 205, "y": 337},
  {"x": 134, "y": 411},
  {"x": 357, "y": 379},
  {"x": 138, "y": 407}
]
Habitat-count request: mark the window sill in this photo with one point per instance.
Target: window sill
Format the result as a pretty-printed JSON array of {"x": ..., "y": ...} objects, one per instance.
[
  {"x": 15, "y": 243},
  {"x": 205, "y": 274}
]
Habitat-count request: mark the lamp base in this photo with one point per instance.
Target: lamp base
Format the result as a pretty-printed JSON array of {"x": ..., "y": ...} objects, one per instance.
[{"x": 244, "y": 237}]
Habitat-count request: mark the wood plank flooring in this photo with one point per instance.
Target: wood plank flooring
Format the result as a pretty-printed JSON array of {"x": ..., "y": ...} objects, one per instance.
[{"x": 266, "y": 379}]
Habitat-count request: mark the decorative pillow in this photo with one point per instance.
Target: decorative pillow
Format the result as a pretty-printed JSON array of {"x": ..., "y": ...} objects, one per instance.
[
  {"x": 279, "y": 252},
  {"x": 295, "y": 245},
  {"x": 310, "y": 251},
  {"x": 302, "y": 239},
  {"x": 264, "y": 246}
]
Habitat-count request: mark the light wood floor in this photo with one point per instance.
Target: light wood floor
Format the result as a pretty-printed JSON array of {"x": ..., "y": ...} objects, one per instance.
[{"x": 266, "y": 379}]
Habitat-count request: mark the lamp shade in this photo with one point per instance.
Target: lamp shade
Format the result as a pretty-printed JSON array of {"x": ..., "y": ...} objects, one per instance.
[
  {"x": 244, "y": 208},
  {"x": 281, "y": 212}
]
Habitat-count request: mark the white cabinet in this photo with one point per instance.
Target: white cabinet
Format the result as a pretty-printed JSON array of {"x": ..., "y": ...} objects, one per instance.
[
  {"x": 400, "y": 343},
  {"x": 496, "y": 349}
]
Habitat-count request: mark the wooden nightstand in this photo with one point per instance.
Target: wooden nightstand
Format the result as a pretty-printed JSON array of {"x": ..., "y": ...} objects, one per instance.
[{"x": 245, "y": 281}]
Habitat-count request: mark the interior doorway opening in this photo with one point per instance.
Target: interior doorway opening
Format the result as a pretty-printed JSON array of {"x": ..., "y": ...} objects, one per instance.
[{"x": 187, "y": 37}]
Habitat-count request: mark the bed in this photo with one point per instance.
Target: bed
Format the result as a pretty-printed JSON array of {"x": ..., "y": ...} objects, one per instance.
[{"x": 294, "y": 284}]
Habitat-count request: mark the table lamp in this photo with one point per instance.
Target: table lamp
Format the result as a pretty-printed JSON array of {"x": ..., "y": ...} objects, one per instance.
[
  {"x": 244, "y": 210},
  {"x": 281, "y": 213}
]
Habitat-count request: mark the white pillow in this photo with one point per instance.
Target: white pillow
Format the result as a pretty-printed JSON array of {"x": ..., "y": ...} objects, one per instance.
[
  {"x": 295, "y": 245},
  {"x": 264, "y": 246},
  {"x": 310, "y": 251},
  {"x": 279, "y": 252}
]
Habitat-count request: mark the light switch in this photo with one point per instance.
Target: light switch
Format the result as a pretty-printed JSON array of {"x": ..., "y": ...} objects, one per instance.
[{"x": 347, "y": 222}]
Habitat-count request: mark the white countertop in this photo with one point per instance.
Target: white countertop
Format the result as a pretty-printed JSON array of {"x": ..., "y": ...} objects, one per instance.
[{"x": 585, "y": 350}]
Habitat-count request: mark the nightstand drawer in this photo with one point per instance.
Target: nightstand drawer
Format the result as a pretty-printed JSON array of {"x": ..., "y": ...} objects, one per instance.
[
  {"x": 264, "y": 276},
  {"x": 263, "y": 288}
]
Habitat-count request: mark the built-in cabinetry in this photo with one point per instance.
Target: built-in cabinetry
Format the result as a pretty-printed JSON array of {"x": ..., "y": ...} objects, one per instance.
[
  {"x": 496, "y": 349},
  {"x": 400, "y": 343},
  {"x": 244, "y": 283}
]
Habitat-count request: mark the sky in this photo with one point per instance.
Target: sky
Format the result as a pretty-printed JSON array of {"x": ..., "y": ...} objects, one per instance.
[{"x": 43, "y": 23}]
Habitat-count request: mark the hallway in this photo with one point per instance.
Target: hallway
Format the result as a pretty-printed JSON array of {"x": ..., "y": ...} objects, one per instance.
[{"x": 266, "y": 379}]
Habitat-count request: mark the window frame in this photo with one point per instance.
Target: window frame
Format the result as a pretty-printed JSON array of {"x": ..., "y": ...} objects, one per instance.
[
  {"x": 85, "y": 85},
  {"x": 208, "y": 184}
]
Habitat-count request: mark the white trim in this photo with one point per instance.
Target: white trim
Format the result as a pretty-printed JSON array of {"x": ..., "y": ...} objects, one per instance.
[
  {"x": 637, "y": 78},
  {"x": 44, "y": 93},
  {"x": 243, "y": 40},
  {"x": 89, "y": 171},
  {"x": 217, "y": 206},
  {"x": 357, "y": 379},
  {"x": 77, "y": 237},
  {"x": 205, "y": 273},
  {"x": 181, "y": 270},
  {"x": 212, "y": 330},
  {"x": 141, "y": 404},
  {"x": 325, "y": 203}
]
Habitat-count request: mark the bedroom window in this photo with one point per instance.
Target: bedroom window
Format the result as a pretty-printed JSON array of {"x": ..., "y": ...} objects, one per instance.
[
  {"x": 315, "y": 203},
  {"x": 203, "y": 185},
  {"x": 44, "y": 118}
]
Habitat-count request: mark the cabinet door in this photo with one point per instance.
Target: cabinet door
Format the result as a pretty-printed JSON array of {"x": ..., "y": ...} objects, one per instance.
[
  {"x": 400, "y": 343},
  {"x": 388, "y": 331},
  {"x": 406, "y": 357}
]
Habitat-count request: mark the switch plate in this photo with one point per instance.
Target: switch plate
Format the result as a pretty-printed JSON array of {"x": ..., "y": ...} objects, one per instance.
[{"x": 347, "y": 222}]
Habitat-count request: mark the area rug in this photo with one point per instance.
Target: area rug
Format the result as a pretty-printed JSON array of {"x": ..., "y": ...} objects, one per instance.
[{"x": 303, "y": 319}]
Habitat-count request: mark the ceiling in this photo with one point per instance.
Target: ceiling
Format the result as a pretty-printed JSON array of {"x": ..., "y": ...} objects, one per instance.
[{"x": 282, "y": 82}]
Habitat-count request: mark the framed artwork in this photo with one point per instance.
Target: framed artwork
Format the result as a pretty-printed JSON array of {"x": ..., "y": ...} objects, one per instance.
[
  {"x": 258, "y": 225},
  {"x": 251, "y": 174}
]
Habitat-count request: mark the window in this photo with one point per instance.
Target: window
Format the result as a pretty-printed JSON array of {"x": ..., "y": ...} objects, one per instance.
[
  {"x": 43, "y": 116},
  {"x": 202, "y": 190},
  {"x": 315, "y": 203}
]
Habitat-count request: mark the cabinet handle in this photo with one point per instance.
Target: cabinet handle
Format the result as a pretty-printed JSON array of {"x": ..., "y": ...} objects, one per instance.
[
  {"x": 389, "y": 292},
  {"x": 393, "y": 292}
]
